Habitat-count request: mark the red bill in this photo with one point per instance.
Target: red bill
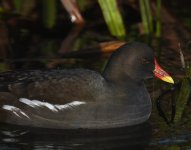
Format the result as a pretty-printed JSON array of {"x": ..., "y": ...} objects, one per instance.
[{"x": 161, "y": 74}]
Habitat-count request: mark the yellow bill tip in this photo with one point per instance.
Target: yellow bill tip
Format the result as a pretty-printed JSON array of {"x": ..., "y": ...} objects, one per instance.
[{"x": 168, "y": 79}]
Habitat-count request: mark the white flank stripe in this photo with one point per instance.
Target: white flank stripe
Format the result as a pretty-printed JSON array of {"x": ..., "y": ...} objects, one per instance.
[
  {"x": 52, "y": 107},
  {"x": 45, "y": 104},
  {"x": 69, "y": 105},
  {"x": 10, "y": 108},
  {"x": 37, "y": 103},
  {"x": 24, "y": 114},
  {"x": 16, "y": 114},
  {"x": 28, "y": 102},
  {"x": 15, "y": 110}
]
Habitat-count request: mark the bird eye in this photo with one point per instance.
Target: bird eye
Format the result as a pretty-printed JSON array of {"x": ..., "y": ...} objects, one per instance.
[{"x": 145, "y": 61}]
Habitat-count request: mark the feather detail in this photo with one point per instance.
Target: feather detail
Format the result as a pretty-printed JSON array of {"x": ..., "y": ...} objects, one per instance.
[{"x": 52, "y": 107}]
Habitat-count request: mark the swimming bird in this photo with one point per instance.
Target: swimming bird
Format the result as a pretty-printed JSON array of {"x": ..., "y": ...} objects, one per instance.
[{"x": 82, "y": 98}]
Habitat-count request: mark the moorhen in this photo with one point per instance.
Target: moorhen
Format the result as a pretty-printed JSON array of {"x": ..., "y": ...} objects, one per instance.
[{"x": 81, "y": 98}]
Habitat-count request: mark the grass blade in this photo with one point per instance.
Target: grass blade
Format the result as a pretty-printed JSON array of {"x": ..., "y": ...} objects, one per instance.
[
  {"x": 158, "y": 19},
  {"x": 113, "y": 17},
  {"x": 49, "y": 13},
  {"x": 182, "y": 99},
  {"x": 146, "y": 16}
]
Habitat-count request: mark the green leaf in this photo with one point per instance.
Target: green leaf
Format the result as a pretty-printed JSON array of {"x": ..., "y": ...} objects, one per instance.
[
  {"x": 158, "y": 19},
  {"x": 2, "y": 67},
  {"x": 49, "y": 13},
  {"x": 113, "y": 18},
  {"x": 146, "y": 16},
  {"x": 182, "y": 99},
  {"x": 18, "y": 5}
]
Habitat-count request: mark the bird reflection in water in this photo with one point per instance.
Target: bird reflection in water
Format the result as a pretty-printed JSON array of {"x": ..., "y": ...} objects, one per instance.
[{"x": 133, "y": 137}]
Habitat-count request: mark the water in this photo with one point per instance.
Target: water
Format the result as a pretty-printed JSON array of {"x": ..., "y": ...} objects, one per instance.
[
  {"x": 138, "y": 137},
  {"x": 134, "y": 137}
]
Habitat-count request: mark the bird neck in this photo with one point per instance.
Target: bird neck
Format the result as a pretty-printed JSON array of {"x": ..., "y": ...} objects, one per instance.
[{"x": 114, "y": 73}]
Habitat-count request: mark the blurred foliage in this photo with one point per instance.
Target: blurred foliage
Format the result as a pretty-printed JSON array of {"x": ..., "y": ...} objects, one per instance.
[
  {"x": 83, "y": 4},
  {"x": 49, "y": 13},
  {"x": 110, "y": 10},
  {"x": 113, "y": 17},
  {"x": 171, "y": 147},
  {"x": 182, "y": 99},
  {"x": 158, "y": 19},
  {"x": 182, "y": 12},
  {"x": 18, "y": 5},
  {"x": 185, "y": 89},
  {"x": 3, "y": 67},
  {"x": 146, "y": 16},
  {"x": 48, "y": 48}
]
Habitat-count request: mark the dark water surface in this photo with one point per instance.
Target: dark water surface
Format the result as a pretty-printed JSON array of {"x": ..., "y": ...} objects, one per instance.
[
  {"x": 134, "y": 137},
  {"x": 138, "y": 137}
]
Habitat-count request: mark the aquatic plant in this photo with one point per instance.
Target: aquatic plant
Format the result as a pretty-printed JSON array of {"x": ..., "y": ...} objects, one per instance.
[{"x": 185, "y": 89}]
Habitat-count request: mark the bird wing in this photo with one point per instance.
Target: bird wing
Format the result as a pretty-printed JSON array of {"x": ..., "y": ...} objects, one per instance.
[{"x": 55, "y": 86}]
